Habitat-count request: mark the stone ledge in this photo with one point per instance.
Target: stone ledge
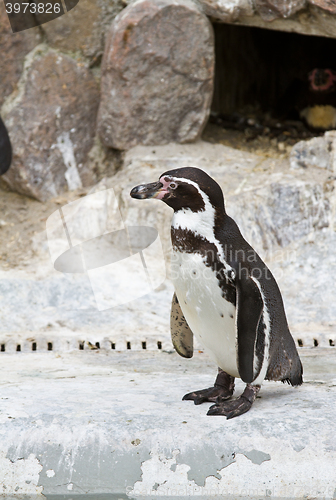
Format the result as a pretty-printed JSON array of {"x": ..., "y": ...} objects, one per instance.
[
  {"x": 111, "y": 423},
  {"x": 295, "y": 17}
]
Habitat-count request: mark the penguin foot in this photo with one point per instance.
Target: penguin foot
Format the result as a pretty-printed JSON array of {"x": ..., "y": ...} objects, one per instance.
[
  {"x": 211, "y": 395},
  {"x": 236, "y": 407},
  {"x": 222, "y": 390}
]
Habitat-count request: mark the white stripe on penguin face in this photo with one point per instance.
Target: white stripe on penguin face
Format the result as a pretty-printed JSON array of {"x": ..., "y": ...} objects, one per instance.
[{"x": 202, "y": 222}]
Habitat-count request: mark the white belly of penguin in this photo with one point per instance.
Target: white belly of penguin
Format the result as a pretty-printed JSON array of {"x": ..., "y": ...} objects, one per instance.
[{"x": 211, "y": 318}]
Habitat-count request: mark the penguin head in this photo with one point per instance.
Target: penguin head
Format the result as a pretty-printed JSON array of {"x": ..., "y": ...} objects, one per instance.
[
  {"x": 322, "y": 80},
  {"x": 182, "y": 188}
]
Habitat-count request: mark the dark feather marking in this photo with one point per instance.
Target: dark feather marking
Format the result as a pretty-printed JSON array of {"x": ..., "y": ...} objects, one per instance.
[
  {"x": 188, "y": 197},
  {"x": 187, "y": 241}
]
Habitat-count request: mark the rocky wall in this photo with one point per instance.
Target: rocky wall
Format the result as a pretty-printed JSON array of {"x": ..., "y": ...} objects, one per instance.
[
  {"x": 111, "y": 74},
  {"x": 49, "y": 98}
]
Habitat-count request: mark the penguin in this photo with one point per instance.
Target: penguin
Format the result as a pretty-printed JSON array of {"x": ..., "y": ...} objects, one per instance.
[
  {"x": 319, "y": 110},
  {"x": 312, "y": 100},
  {"x": 5, "y": 149},
  {"x": 225, "y": 294}
]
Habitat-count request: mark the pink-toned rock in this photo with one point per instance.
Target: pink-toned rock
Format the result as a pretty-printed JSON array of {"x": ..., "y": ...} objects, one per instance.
[
  {"x": 328, "y": 5},
  {"x": 52, "y": 126},
  {"x": 157, "y": 74},
  {"x": 273, "y": 9},
  {"x": 13, "y": 49}
]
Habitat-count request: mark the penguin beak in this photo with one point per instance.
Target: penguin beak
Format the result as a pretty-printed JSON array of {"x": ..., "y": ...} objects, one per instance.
[{"x": 144, "y": 191}]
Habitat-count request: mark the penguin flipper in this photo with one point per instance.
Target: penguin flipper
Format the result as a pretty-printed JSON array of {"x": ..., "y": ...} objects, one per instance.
[
  {"x": 182, "y": 336},
  {"x": 249, "y": 309}
]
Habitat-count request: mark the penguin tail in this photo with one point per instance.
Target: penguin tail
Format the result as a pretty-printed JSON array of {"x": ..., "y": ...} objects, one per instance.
[
  {"x": 295, "y": 377},
  {"x": 285, "y": 364}
]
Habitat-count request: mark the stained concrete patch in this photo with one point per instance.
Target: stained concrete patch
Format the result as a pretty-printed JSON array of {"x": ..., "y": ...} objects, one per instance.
[
  {"x": 298, "y": 444},
  {"x": 204, "y": 461},
  {"x": 256, "y": 456},
  {"x": 78, "y": 465}
]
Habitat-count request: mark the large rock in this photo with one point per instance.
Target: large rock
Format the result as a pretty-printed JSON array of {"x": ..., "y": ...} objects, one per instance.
[
  {"x": 273, "y": 205},
  {"x": 287, "y": 215},
  {"x": 51, "y": 124},
  {"x": 83, "y": 28},
  {"x": 157, "y": 75},
  {"x": 13, "y": 49}
]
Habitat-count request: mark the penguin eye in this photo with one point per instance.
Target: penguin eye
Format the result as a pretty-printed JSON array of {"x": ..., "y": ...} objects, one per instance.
[{"x": 173, "y": 185}]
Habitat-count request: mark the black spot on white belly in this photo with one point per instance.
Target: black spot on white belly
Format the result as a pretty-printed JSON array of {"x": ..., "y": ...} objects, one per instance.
[{"x": 186, "y": 241}]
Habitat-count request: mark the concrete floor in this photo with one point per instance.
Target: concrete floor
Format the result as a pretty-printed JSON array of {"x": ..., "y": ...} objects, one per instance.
[{"x": 111, "y": 424}]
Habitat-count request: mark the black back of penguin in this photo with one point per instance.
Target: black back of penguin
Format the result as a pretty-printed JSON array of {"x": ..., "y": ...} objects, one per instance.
[{"x": 284, "y": 363}]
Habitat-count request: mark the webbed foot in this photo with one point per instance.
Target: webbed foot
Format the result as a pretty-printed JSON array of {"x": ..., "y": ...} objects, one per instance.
[
  {"x": 237, "y": 406},
  {"x": 223, "y": 389}
]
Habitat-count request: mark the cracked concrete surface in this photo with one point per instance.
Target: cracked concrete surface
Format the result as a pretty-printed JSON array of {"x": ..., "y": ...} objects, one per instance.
[
  {"x": 101, "y": 422},
  {"x": 110, "y": 421}
]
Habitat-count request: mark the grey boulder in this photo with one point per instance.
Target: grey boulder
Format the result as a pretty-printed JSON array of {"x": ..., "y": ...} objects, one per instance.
[
  {"x": 157, "y": 75},
  {"x": 51, "y": 124}
]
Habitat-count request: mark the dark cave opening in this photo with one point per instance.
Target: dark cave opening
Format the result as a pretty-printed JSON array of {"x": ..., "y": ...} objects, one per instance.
[{"x": 259, "y": 71}]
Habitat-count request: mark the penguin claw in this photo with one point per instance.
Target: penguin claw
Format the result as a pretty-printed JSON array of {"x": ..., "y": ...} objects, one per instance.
[
  {"x": 211, "y": 395},
  {"x": 231, "y": 409}
]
